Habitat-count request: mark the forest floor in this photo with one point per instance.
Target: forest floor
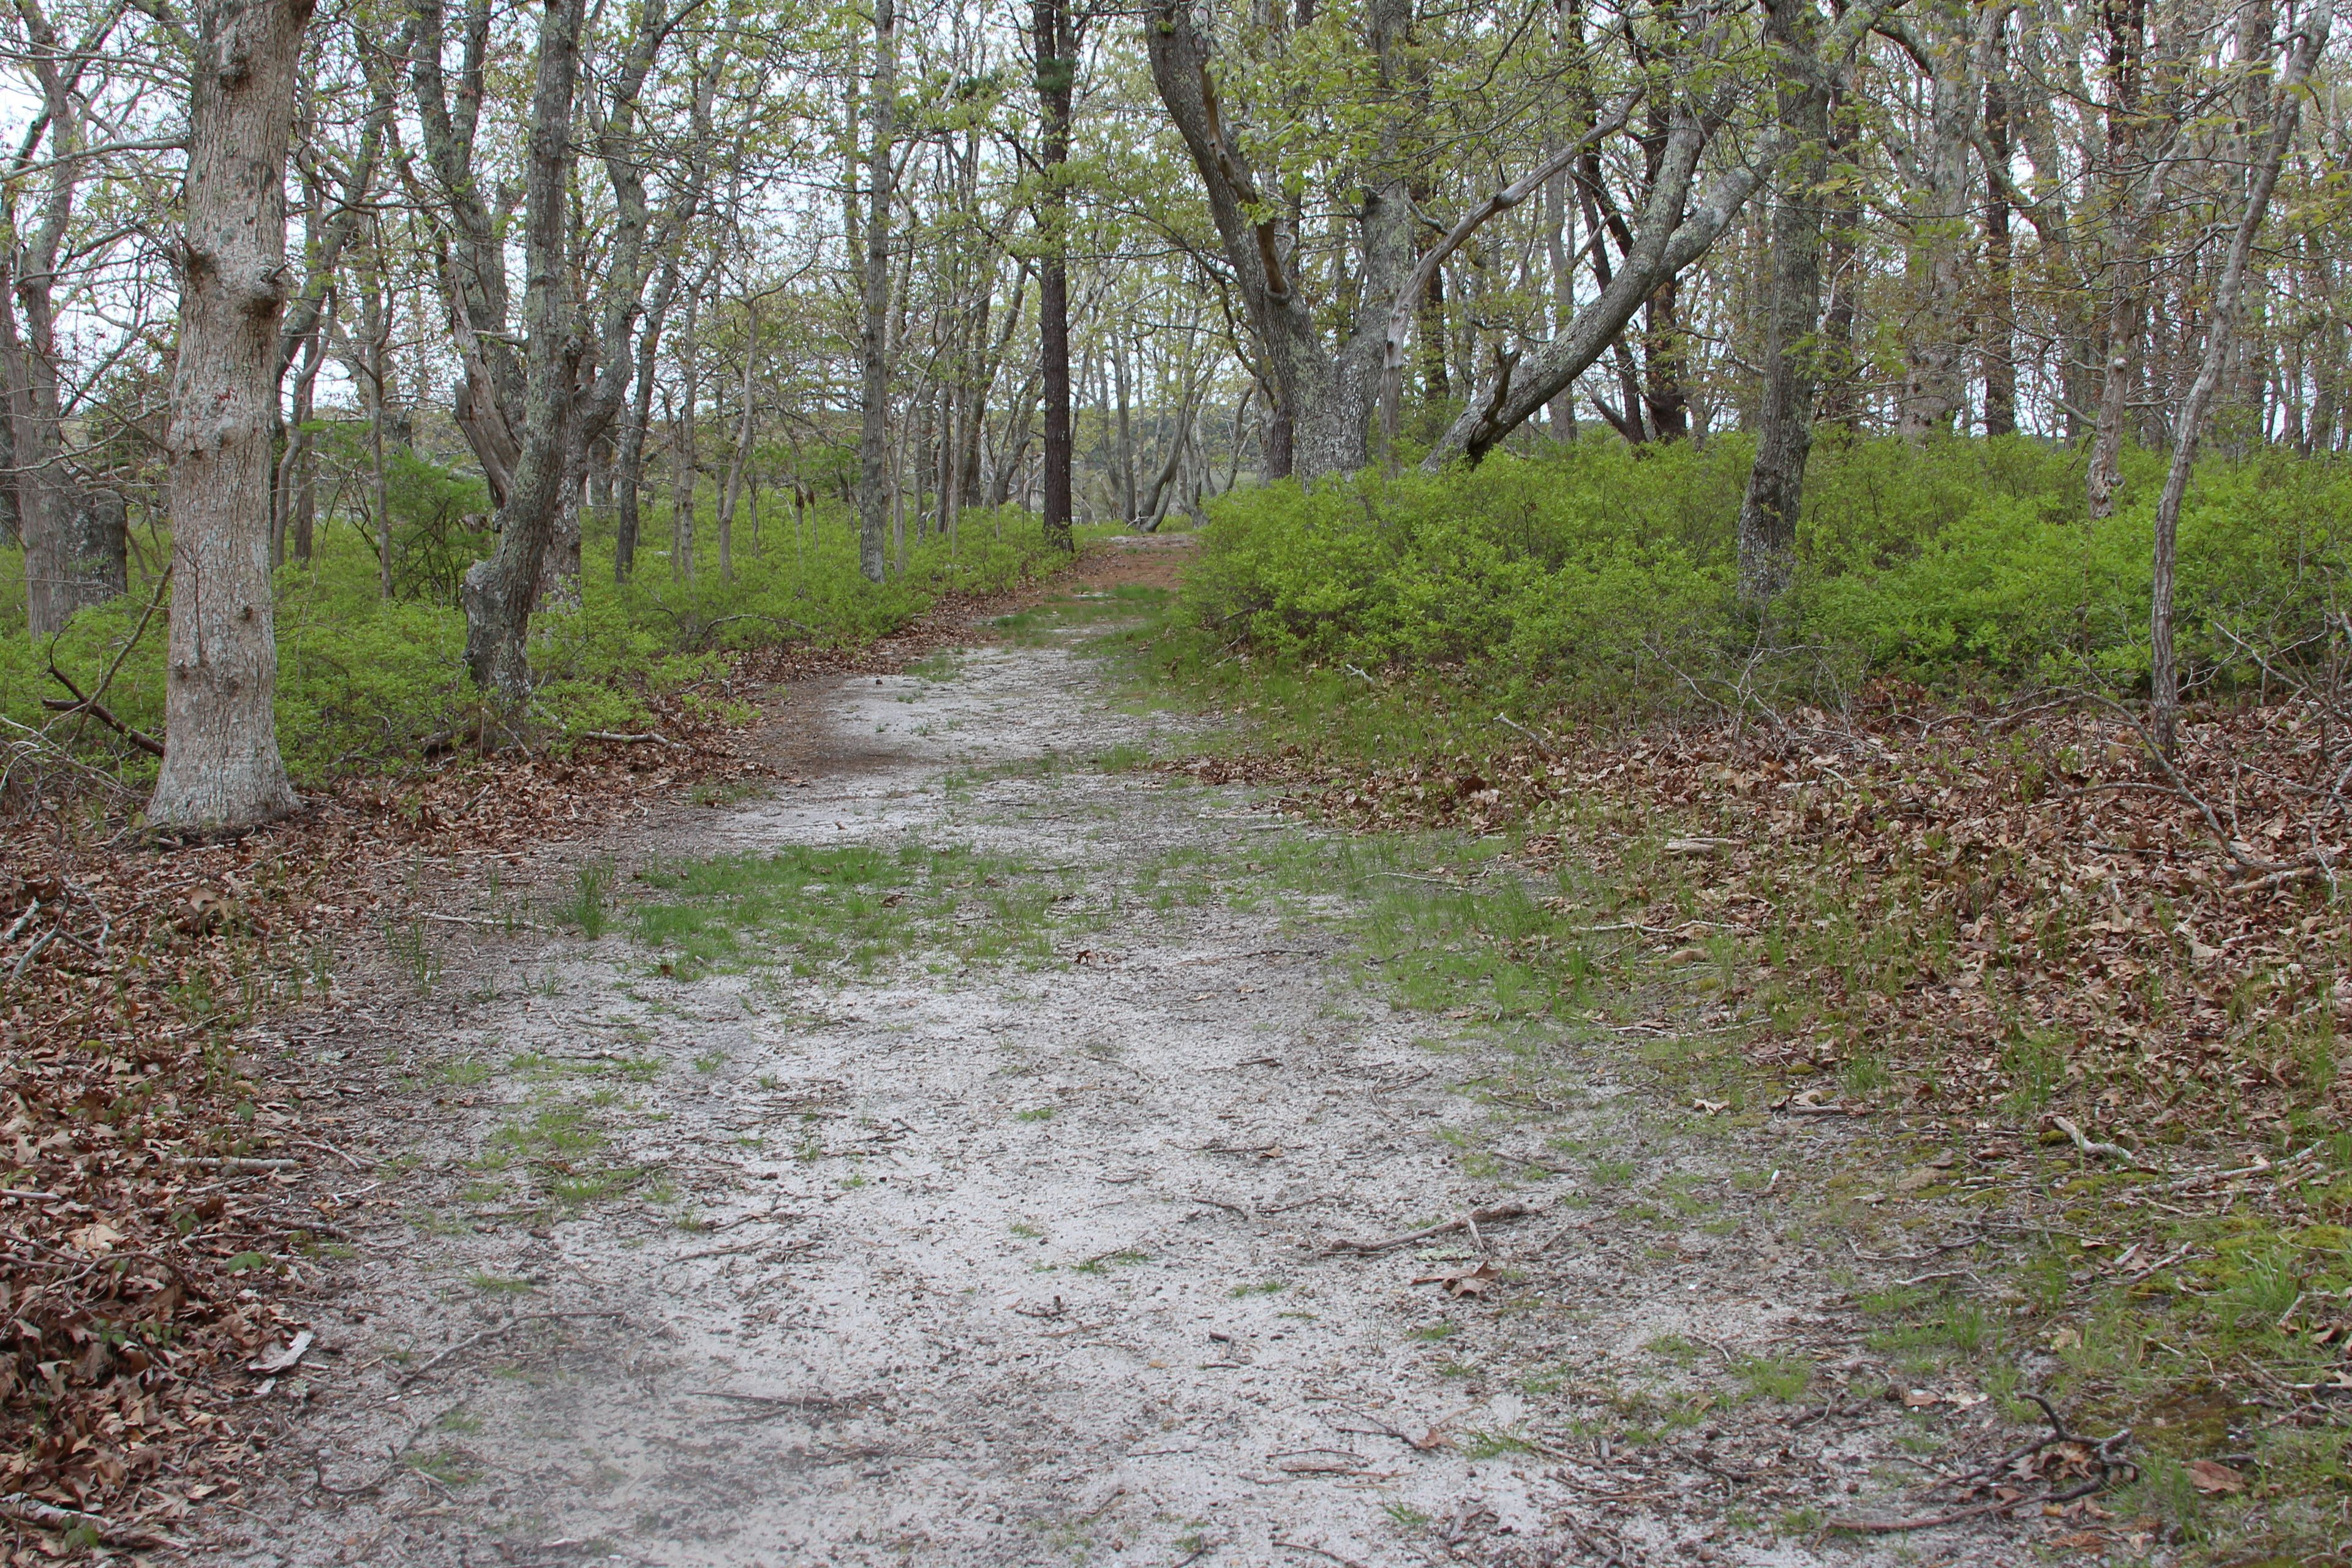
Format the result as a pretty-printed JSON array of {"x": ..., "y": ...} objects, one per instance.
[{"x": 982, "y": 1149}]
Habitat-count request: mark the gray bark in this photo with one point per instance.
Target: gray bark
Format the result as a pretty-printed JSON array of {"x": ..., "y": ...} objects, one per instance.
[
  {"x": 1775, "y": 496},
  {"x": 221, "y": 763},
  {"x": 1324, "y": 400},
  {"x": 44, "y": 500},
  {"x": 2221, "y": 336},
  {"x": 500, "y": 590},
  {"x": 1670, "y": 235},
  {"x": 874, "y": 346}
]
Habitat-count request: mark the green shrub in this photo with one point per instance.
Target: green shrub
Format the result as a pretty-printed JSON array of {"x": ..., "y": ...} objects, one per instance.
[
  {"x": 1597, "y": 573},
  {"x": 364, "y": 682}
]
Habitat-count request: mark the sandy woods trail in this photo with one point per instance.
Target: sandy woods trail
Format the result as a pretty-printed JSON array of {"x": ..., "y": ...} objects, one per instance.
[{"x": 972, "y": 1154}]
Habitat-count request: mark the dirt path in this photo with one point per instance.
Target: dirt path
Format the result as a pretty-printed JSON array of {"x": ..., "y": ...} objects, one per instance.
[{"x": 1012, "y": 1246}]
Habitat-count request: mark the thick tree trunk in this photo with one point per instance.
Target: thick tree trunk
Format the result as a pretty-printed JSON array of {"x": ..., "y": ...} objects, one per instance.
[
  {"x": 1768, "y": 513},
  {"x": 221, "y": 763},
  {"x": 874, "y": 346},
  {"x": 500, "y": 592}
]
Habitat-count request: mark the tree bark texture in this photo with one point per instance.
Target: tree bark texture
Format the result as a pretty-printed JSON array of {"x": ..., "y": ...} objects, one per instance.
[
  {"x": 1776, "y": 483},
  {"x": 1054, "y": 42},
  {"x": 1671, "y": 231},
  {"x": 2221, "y": 336},
  {"x": 874, "y": 346},
  {"x": 500, "y": 590},
  {"x": 1323, "y": 402},
  {"x": 221, "y": 763}
]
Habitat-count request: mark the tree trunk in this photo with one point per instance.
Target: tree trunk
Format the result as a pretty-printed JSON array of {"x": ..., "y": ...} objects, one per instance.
[
  {"x": 1932, "y": 260},
  {"x": 221, "y": 763},
  {"x": 1122, "y": 457},
  {"x": 874, "y": 346},
  {"x": 1322, "y": 403},
  {"x": 685, "y": 468},
  {"x": 1054, "y": 39},
  {"x": 492, "y": 390},
  {"x": 1997, "y": 334},
  {"x": 290, "y": 490},
  {"x": 1769, "y": 510},
  {"x": 629, "y": 460},
  {"x": 377, "y": 315},
  {"x": 2221, "y": 335},
  {"x": 68, "y": 561},
  {"x": 2128, "y": 223},
  {"x": 740, "y": 463},
  {"x": 500, "y": 592}
]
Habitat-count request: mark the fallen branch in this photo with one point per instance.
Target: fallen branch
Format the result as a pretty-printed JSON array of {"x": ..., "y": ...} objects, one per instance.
[
  {"x": 353, "y": 1161},
  {"x": 615, "y": 738},
  {"x": 1470, "y": 1222},
  {"x": 2259, "y": 1168},
  {"x": 499, "y": 923},
  {"x": 26, "y": 1509},
  {"x": 2109, "y": 1151},
  {"x": 2102, "y": 1453},
  {"x": 100, "y": 711},
  {"x": 1541, "y": 744},
  {"x": 1930, "y": 1521}
]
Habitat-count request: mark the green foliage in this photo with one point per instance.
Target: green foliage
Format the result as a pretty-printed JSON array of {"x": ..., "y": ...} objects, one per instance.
[
  {"x": 1602, "y": 574},
  {"x": 366, "y": 682}
]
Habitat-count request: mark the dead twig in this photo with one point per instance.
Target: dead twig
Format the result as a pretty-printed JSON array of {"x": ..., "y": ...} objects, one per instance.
[
  {"x": 500, "y": 922},
  {"x": 1931, "y": 1522},
  {"x": 1540, "y": 742},
  {"x": 1469, "y": 1222},
  {"x": 500, "y": 1331},
  {"x": 615, "y": 738}
]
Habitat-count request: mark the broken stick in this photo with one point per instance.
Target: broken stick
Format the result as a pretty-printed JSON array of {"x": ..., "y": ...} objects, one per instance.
[{"x": 1469, "y": 1222}]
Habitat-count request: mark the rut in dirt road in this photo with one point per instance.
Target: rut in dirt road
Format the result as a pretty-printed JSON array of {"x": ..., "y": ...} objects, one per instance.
[{"x": 947, "y": 1159}]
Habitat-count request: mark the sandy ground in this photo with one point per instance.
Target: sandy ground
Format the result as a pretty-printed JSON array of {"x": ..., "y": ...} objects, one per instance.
[{"x": 1031, "y": 1261}]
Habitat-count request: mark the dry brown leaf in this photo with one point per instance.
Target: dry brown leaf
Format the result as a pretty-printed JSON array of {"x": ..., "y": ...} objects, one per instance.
[{"x": 2214, "y": 1478}]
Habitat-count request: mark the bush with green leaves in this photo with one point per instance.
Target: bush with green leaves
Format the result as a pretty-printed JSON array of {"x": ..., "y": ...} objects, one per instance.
[
  {"x": 366, "y": 682},
  {"x": 1602, "y": 574}
]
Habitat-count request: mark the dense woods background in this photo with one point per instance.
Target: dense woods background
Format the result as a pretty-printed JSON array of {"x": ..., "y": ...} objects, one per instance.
[
  {"x": 742, "y": 325},
  {"x": 1893, "y": 450}
]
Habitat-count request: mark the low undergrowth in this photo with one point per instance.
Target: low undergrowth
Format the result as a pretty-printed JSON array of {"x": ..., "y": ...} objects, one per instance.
[
  {"x": 368, "y": 684},
  {"x": 2088, "y": 1005}
]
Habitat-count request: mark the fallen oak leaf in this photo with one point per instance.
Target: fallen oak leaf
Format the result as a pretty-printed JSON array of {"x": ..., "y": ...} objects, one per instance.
[
  {"x": 1459, "y": 1283},
  {"x": 2214, "y": 1478}
]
